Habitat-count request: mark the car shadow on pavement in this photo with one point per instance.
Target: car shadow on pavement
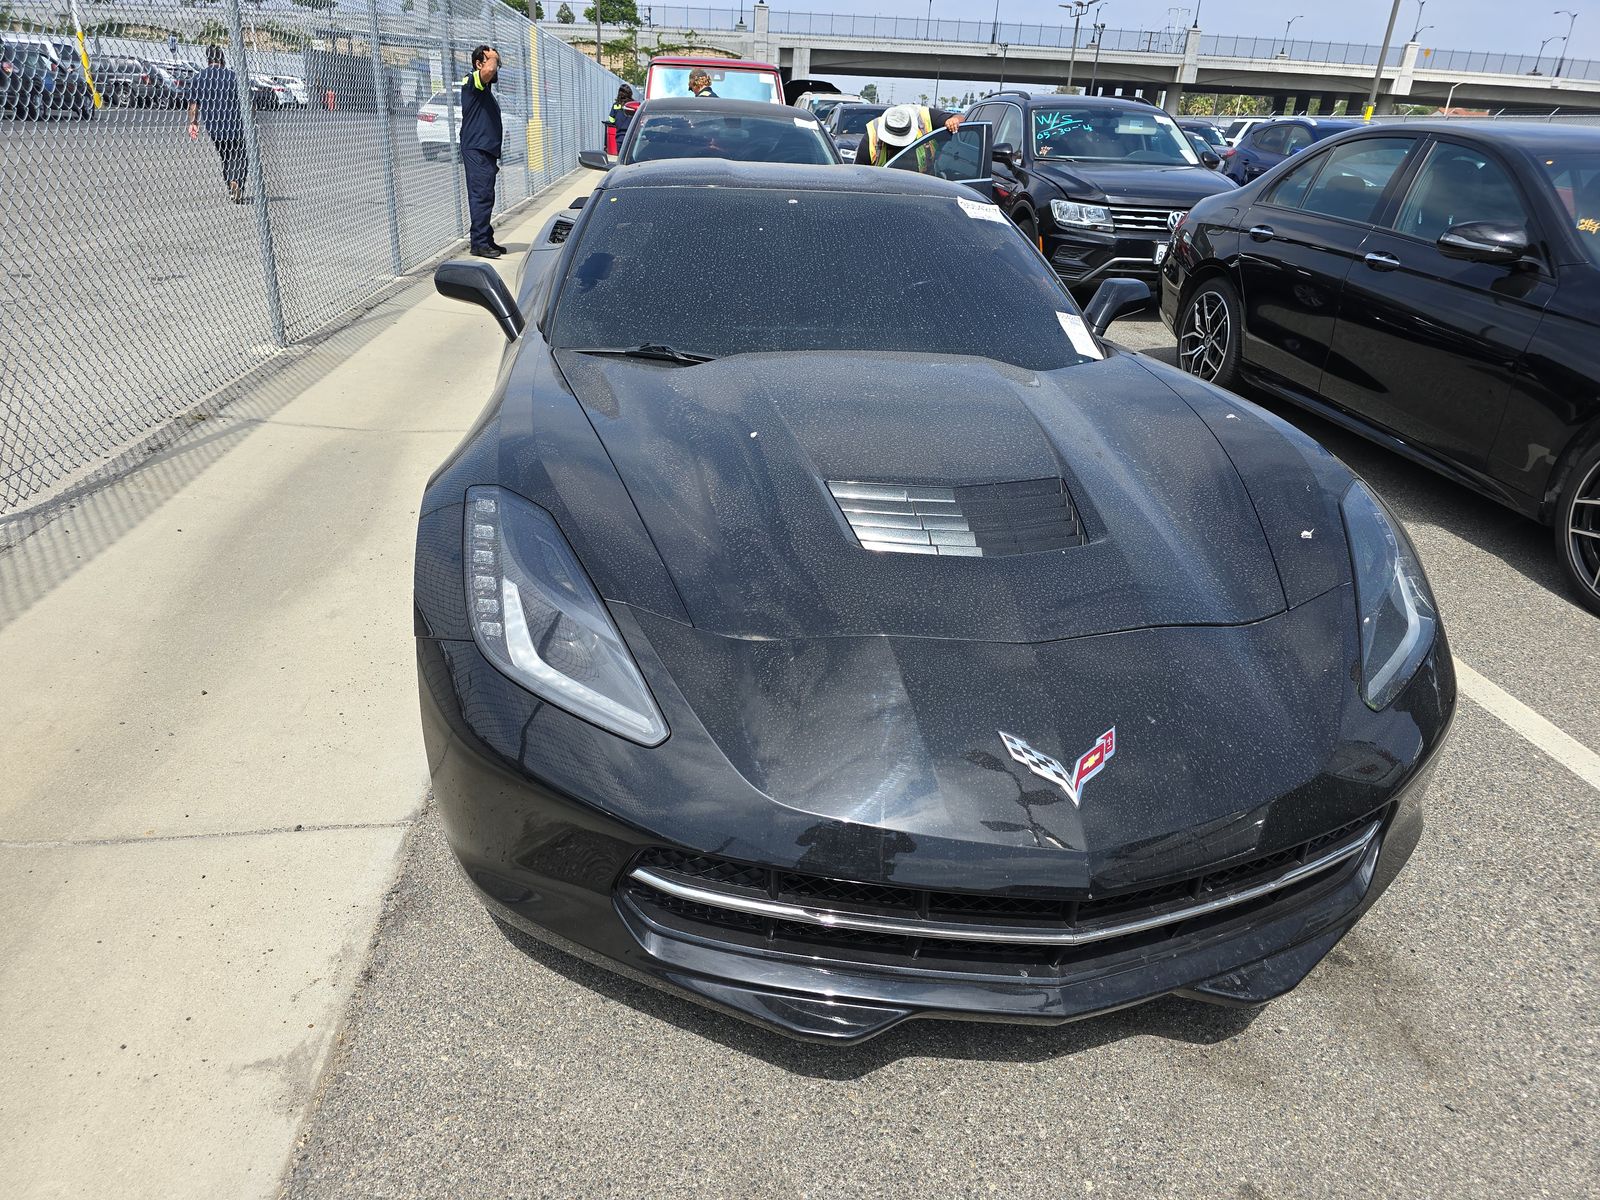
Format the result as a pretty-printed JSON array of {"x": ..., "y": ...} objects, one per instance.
[{"x": 1168, "y": 1018}]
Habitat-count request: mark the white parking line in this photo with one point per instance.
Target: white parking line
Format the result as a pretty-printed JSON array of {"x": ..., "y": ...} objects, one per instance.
[{"x": 1557, "y": 743}]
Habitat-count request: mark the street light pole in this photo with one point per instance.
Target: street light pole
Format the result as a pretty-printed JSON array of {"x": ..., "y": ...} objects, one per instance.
[
  {"x": 1539, "y": 57},
  {"x": 1077, "y": 8},
  {"x": 1572, "y": 19},
  {"x": 1286, "y": 26},
  {"x": 1094, "y": 71},
  {"x": 1005, "y": 52},
  {"x": 1383, "y": 57},
  {"x": 1421, "y": 4},
  {"x": 1449, "y": 97}
]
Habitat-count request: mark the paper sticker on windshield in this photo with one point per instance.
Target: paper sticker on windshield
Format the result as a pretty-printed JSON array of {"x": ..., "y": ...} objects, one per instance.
[
  {"x": 800, "y": 124},
  {"x": 980, "y": 211},
  {"x": 1082, "y": 340}
]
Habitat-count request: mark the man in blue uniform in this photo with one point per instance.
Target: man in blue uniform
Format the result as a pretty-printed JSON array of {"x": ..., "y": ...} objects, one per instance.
[
  {"x": 214, "y": 99},
  {"x": 481, "y": 134}
]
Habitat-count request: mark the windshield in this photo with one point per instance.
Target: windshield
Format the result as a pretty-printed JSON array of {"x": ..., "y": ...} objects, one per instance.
[
  {"x": 854, "y": 118},
  {"x": 781, "y": 139},
  {"x": 727, "y": 83},
  {"x": 1576, "y": 179},
  {"x": 1209, "y": 134},
  {"x": 1110, "y": 135},
  {"x": 684, "y": 267}
]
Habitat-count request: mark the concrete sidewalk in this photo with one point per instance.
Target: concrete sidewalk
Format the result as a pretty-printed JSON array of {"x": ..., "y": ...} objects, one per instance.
[{"x": 212, "y": 757}]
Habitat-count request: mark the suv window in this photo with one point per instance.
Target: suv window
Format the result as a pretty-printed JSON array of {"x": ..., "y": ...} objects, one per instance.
[
  {"x": 1458, "y": 184},
  {"x": 1008, "y": 129},
  {"x": 1354, "y": 177},
  {"x": 945, "y": 155},
  {"x": 1270, "y": 138},
  {"x": 1298, "y": 138},
  {"x": 1575, "y": 176}
]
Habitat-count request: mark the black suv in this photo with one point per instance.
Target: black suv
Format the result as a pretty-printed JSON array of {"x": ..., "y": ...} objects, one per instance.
[{"x": 1097, "y": 182}]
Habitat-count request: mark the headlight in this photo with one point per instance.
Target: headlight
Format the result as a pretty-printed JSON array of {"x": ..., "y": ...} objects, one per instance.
[
  {"x": 1087, "y": 216},
  {"x": 536, "y": 617},
  {"x": 1393, "y": 603}
]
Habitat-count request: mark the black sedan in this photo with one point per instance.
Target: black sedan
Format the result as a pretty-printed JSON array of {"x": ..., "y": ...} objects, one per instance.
[
  {"x": 740, "y": 130},
  {"x": 1434, "y": 287},
  {"x": 834, "y": 673}
]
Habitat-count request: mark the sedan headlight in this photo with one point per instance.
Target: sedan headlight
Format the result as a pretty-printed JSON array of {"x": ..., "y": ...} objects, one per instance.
[
  {"x": 1393, "y": 602},
  {"x": 536, "y": 617},
  {"x": 1085, "y": 216}
]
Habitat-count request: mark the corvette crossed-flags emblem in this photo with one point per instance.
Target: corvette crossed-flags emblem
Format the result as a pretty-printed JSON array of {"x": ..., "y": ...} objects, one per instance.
[{"x": 1090, "y": 763}]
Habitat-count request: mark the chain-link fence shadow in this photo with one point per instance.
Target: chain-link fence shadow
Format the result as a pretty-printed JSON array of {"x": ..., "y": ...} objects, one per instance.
[{"x": 136, "y": 284}]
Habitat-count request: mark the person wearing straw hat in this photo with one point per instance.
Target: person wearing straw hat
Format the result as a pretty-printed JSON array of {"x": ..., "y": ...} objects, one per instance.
[{"x": 897, "y": 128}]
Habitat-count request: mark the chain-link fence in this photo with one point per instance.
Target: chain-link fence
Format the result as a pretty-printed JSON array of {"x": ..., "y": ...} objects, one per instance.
[{"x": 133, "y": 285}]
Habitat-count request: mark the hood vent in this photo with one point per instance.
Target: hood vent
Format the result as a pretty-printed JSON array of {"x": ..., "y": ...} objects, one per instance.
[{"x": 985, "y": 521}]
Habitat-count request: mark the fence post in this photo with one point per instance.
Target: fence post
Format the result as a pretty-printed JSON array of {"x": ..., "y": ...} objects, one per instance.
[
  {"x": 252, "y": 147},
  {"x": 380, "y": 98},
  {"x": 535, "y": 107},
  {"x": 452, "y": 98}
]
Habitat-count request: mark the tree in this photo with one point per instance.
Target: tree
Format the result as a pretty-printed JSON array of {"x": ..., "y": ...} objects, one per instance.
[
  {"x": 564, "y": 14},
  {"x": 870, "y": 93},
  {"x": 614, "y": 12},
  {"x": 522, "y": 7},
  {"x": 923, "y": 98}
]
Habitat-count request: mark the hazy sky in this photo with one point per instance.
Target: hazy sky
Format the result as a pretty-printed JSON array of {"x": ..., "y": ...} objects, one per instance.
[{"x": 1457, "y": 24}]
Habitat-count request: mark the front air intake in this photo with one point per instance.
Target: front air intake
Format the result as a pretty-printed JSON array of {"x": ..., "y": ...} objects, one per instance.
[{"x": 986, "y": 520}]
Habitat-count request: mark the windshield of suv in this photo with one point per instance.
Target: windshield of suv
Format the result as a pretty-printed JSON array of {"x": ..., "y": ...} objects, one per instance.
[
  {"x": 1576, "y": 179},
  {"x": 779, "y": 139},
  {"x": 1111, "y": 135},
  {"x": 853, "y": 118},
  {"x": 683, "y": 267}
]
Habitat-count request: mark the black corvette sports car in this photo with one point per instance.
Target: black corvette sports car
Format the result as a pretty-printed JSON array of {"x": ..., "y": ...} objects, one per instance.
[{"x": 947, "y": 663}]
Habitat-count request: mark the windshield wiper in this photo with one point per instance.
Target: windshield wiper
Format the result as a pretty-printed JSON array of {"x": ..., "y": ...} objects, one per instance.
[{"x": 653, "y": 350}]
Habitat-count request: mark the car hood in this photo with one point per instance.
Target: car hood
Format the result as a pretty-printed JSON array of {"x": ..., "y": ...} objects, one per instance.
[
  {"x": 729, "y": 464},
  {"x": 1117, "y": 183}
]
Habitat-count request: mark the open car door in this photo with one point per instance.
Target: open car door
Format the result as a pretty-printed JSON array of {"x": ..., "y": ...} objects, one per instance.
[{"x": 961, "y": 157}]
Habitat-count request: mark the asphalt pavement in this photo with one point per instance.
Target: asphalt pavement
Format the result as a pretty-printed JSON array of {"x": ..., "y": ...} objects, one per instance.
[{"x": 1447, "y": 1047}]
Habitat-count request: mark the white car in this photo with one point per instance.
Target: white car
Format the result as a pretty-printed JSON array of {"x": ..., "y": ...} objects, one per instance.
[
  {"x": 433, "y": 129},
  {"x": 295, "y": 87}
]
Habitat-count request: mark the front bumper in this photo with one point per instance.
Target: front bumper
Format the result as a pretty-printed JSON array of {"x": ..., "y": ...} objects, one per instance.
[
  {"x": 559, "y": 869},
  {"x": 1085, "y": 256}
]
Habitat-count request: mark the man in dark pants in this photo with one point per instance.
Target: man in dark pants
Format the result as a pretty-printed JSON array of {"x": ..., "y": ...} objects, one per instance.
[
  {"x": 214, "y": 97},
  {"x": 481, "y": 134}
]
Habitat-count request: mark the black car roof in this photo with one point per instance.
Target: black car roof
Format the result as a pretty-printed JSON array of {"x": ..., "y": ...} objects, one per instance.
[
  {"x": 737, "y": 108},
  {"x": 1530, "y": 134},
  {"x": 724, "y": 173}
]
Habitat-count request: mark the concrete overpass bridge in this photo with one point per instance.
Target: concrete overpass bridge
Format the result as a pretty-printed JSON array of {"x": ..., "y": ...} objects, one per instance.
[{"x": 1160, "y": 64}]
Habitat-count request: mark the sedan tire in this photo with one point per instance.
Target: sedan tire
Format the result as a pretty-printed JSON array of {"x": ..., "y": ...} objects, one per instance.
[
  {"x": 1208, "y": 333},
  {"x": 1578, "y": 529}
]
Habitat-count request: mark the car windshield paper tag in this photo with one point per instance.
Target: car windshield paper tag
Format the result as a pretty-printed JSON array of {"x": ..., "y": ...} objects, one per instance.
[
  {"x": 1082, "y": 340},
  {"x": 980, "y": 211},
  {"x": 801, "y": 124}
]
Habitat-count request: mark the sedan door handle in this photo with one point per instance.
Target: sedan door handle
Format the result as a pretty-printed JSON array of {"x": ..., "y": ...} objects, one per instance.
[
  {"x": 1261, "y": 233},
  {"x": 1380, "y": 261}
]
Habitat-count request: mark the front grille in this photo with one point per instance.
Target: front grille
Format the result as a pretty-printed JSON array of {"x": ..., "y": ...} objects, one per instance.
[
  {"x": 1142, "y": 218},
  {"x": 754, "y": 907},
  {"x": 986, "y": 520}
]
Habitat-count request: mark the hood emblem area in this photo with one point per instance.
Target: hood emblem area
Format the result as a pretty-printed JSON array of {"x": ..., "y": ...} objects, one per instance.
[
  {"x": 1090, "y": 763},
  {"x": 986, "y": 520}
]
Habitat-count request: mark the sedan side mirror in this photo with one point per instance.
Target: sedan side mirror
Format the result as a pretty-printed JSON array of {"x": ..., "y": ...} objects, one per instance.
[
  {"x": 1002, "y": 153},
  {"x": 1210, "y": 159},
  {"x": 595, "y": 160},
  {"x": 1113, "y": 299},
  {"x": 1485, "y": 242},
  {"x": 480, "y": 284}
]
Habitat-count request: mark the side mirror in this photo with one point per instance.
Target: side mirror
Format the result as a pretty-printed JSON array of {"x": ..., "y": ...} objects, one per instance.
[
  {"x": 1211, "y": 159},
  {"x": 576, "y": 202},
  {"x": 1485, "y": 242},
  {"x": 480, "y": 284},
  {"x": 595, "y": 160},
  {"x": 1002, "y": 153},
  {"x": 1113, "y": 299}
]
